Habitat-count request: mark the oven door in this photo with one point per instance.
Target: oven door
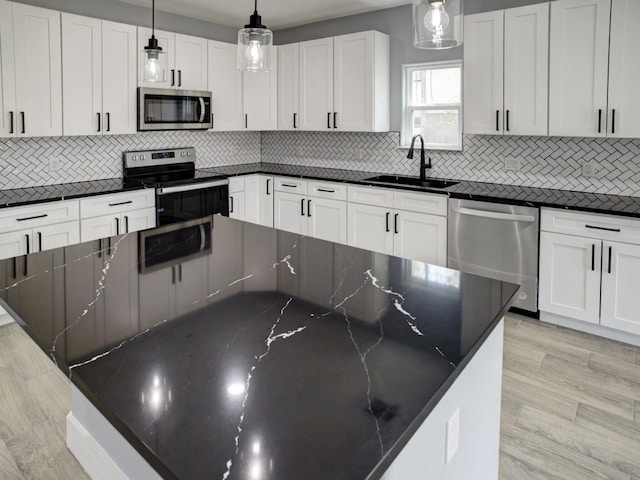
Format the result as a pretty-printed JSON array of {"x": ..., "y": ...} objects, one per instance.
[
  {"x": 165, "y": 109},
  {"x": 172, "y": 244},
  {"x": 193, "y": 201}
]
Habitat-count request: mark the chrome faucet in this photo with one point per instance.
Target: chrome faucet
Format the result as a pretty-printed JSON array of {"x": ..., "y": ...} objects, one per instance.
[{"x": 423, "y": 165}]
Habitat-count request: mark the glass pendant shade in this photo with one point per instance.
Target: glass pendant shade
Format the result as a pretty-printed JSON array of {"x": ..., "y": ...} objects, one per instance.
[
  {"x": 155, "y": 65},
  {"x": 255, "y": 45},
  {"x": 437, "y": 24}
]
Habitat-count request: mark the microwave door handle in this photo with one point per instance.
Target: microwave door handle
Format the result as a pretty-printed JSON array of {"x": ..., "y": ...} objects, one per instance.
[
  {"x": 202, "y": 238},
  {"x": 202, "y": 112}
]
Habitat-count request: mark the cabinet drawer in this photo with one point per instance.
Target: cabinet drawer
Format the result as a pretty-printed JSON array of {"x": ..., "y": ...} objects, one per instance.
[
  {"x": 33, "y": 216},
  {"x": 604, "y": 227},
  {"x": 335, "y": 191},
  {"x": 236, "y": 184},
  {"x": 382, "y": 197},
  {"x": 117, "y": 203},
  {"x": 420, "y": 202},
  {"x": 290, "y": 185}
]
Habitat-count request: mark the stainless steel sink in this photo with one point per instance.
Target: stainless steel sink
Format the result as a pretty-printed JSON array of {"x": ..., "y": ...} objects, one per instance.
[{"x": 412, "y": 181}]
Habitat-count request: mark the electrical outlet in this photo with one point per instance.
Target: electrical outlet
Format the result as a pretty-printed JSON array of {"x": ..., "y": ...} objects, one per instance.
[
  {"x": 54, "y": 164},
  {"x": 512, "y": 163},
  {"x": 589, "y": 168},
  {"x": 453, "y": 435}
]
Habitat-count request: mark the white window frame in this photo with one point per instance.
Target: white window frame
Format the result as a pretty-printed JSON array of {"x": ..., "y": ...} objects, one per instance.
[{"x": 407, "y": 115}]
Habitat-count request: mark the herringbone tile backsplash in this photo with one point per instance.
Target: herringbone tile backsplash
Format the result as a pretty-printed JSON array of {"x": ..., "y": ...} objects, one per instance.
[
  {"x": 25, "y": 162},
  {"x": 546, "y": 162}
]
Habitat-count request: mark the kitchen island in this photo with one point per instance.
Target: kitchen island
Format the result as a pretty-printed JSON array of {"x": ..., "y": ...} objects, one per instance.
[{"x": 230, "y": 350}]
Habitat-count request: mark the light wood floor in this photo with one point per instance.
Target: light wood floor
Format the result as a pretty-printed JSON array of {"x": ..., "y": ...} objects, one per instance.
[{"x": 570, "y": 408}]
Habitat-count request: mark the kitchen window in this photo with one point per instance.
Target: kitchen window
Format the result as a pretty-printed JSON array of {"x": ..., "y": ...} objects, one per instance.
[{"x": 433, "y": 104}]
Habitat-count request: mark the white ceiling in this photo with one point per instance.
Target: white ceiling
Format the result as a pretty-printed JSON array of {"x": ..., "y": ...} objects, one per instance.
[{"x": 276, "y": 14}]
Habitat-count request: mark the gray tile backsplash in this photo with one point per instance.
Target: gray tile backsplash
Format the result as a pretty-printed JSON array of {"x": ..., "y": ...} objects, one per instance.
[
  {"x": 25, "y": 162},
  {"x": 547, "y": 162},
  {"x": 550, "y": 162}
]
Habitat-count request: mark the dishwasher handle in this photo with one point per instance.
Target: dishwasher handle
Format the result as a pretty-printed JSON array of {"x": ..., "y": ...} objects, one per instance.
[{"x": 512, "y": 217}]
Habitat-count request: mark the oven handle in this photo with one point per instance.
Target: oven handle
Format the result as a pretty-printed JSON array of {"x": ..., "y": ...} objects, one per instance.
[
  {"x": 192, "y": 186},
  {"x": 202, "y": 109},
  {"x": 496, "y": 215}
]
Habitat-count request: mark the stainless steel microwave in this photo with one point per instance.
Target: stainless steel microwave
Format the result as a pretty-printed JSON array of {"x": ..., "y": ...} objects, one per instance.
[{"x": 169, "y": 109}]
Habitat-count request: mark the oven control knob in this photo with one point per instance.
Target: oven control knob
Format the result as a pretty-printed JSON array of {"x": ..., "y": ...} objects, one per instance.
[
  {"x": 134, "y": 158},
  {"x": 141, "y": 157},
  {"x": 182, "y": 154},
  {"x": 188, "y": 154}
]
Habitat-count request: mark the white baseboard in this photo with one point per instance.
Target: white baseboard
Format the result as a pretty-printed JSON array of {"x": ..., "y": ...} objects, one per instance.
[{"x": 592, "y": 328}]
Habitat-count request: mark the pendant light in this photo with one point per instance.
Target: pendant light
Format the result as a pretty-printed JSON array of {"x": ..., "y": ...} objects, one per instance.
[
  {"x": 437, "y": 24},
  {"x": 255, "y": 42},
  {"x": 155, "y": 65}
]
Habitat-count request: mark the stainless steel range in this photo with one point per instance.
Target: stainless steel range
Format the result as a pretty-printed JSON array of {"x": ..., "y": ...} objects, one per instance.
[{"x": 182, "y": 192}]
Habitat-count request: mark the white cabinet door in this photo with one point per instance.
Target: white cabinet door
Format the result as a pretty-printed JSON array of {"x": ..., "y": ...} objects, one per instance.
[
  {"x": 260, "y": 98},
  {"x": 288, "y": 86},
  {"x": 370, "y": 228},
  {"x": 166, "y": 41},
  {"x": 119, "y": 79},
  {"x": 56, "y": 236},
  {"x": 624, "y": 70},
  {"x": 327, "y": 219},
  {"x": 290, "y": 212},
  {"x": 578, "y": 65},
  {"x": 82, "y": 75},
  {"x": 620, "y": 280},
  {"x": 316, "y": 85},
  {"x": 483, "y": 73},
  {"x": 225, "y": 84},
  {"x": 98, "y": 227},
  {"x": 7, "y": 76},
  {"x": 526, "y": 70},
  {"x": 236, "y": 205},
  {"x": 420, "y": 237},
  {"x": 258, "y": 194},
  {"x": 138, "y": 220},
  {"x": 38, "y": 69},
  {"x": 570, "y": 276},
  {"x": 13, "y": 244},
  {"x": 191, "y": 62}
]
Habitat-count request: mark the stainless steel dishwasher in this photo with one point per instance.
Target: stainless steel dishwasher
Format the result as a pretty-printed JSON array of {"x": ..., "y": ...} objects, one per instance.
[{"x": 498, "y": 241}]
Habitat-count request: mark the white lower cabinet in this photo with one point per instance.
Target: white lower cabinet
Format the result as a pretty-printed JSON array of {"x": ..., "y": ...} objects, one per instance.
[
  {"x": 104, "y": 216},
  {"x": 317, "y": 209},
  {"x": 590, "y": 268},
  {"x": 258, "y": 199},
  {"x": 405, "y": 224}
]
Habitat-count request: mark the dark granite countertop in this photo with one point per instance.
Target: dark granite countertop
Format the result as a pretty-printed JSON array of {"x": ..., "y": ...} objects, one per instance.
[
  {"x": 310, "y": 359},
  {"x": 487, "y": 192}
]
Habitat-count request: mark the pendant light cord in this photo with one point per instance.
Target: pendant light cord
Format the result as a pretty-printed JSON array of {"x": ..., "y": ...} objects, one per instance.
[
  {"x": 153, "y": 17},
  {"x": 255, "y": 10}
]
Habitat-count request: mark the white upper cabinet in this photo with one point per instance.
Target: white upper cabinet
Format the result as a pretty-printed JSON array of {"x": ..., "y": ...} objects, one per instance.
[
  {"x": 186, "y": 60},
  {"x": 191, "y": 62},
  {"x": 260, "y": 98},
  {"x": 483, "y": 77},
  {"x": 344, "y": 83},
  {"x": 7, "y": 68},
  {"x": 624, "y": 70},
  {"x": 316, "y": 84},
  {"x": 361, "y": 82},
  {"x": 225, "y": 84},
  {"x": 99, "y": 76},
  {"x": 119, "y": 78},
  {"x": 578, "y": 67},
  {"x": 38, "y": 75},
  {"x": 288, "y": 86},
  {"x": 506, "y": 71},
  {"x": 526, "y": 70}
]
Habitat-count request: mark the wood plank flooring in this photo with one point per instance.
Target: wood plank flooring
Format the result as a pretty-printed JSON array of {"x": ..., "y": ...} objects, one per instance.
[{"x": 570, "y": 408}]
